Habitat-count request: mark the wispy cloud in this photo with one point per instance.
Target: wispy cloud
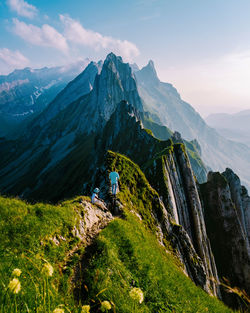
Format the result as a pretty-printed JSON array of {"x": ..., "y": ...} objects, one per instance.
[
  {"x": 22, "y": 8},
  {"x": 74, "y": 37},
  {"x": 76, "y": 33},
  {"x": 45, "y": 36},
  {"x": 11, "y": 60}
]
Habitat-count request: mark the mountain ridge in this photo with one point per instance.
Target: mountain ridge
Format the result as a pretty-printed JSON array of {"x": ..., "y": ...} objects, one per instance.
[{"x": 25, "y": 93}]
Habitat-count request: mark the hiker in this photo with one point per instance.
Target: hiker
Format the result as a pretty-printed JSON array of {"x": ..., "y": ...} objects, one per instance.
[
  {"x": 114, "y": 177},
  {"x": 96, "y": 200}
]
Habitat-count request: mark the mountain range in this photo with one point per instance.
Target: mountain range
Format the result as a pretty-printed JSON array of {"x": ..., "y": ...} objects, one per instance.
[
  {"x": 112, "y": 116},
  {"x": 64, "y": 128},
  {"x": 25, "y": 93},
  {"x": 160, "y": 100}
]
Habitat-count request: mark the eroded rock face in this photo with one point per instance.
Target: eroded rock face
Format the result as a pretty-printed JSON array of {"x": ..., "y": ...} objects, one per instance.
[
  {"x": 193, "y": 264},
  {"x": 225, "y": 212},
  {"x": 195, "y": 214},
  {"x": 246, "y": 209},
  {"x": 172, "y": 176},
  {"x": 93, "y": 221},
  {"x": 241, "y": 200}
]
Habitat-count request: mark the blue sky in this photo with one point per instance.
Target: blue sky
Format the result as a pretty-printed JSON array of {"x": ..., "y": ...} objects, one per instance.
[{"x": 202, "y": 47}]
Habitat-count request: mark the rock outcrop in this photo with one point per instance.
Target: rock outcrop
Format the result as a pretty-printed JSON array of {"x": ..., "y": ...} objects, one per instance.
[
  {"x": 225, "y": 210},
  {"x": 93, "y": 221},
  {"x": 172, "y": 176},
  {"x": 241, "y": 200}
]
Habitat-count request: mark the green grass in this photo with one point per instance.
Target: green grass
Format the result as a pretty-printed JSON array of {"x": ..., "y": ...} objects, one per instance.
[
  {"x": 26, "y": 233},
  {"x": 159, "y": 131},
  {"x": 127, "y": 255}
]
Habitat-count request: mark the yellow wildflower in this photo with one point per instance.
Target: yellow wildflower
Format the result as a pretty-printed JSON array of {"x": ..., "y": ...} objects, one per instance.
[
  {"x": 58, "y": 310},
  {"x": 136, "y": 294},
  {"x": 47, "y": 269},
  {"x": 14, "y": 285},
  {"x": 105, "y": 306},
  {"x": 16, "y": 272},
  {"x": 85, "y": 309}
]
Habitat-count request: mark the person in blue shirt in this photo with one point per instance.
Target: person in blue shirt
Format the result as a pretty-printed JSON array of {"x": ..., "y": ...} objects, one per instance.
[
  {"x": 114, "y": 177},
  {"x": 96, "y": 200}
]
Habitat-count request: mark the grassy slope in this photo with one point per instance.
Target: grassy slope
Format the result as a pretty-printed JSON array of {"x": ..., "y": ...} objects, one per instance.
[
  {"x": 125, "y": 254},
  {"x": 136, "y": 191},
  {"x": 128, "y": 255},
  {"x": 159, "y": 131},
  {"x": 25, "y": 242}
]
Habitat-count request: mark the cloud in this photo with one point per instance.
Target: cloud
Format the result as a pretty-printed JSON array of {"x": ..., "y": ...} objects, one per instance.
[
  {"x": 76, "y": 33},
  {"x": 45, "y": 36},
  {"x": 22, "y": 8},
  {"x": 11, "y": 60}
]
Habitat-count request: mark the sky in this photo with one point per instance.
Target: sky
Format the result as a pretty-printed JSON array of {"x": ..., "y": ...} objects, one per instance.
[{"x": 202, "y": 47}]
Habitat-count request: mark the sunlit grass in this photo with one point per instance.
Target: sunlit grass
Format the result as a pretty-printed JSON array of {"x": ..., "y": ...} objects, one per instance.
[
  {"x": 33, "y": 242},
  {"x": 137, "y": 275}
]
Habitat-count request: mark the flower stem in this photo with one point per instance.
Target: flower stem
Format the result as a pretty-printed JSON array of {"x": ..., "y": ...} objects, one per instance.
[
  {"x": 15, "y": 304},
  {"x": 47, "y": 285},
  {"x": 44, "y": 295}
]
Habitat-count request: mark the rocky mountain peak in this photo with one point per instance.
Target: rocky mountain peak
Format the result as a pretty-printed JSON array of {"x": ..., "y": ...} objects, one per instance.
[
  {"x": 111, "y": 57},
  {"x": 148, "y": 75},
  {"x": 116, "y": 65},
  {"x": 115, "y": 83},
  {"x": 177, "y": 137},
  {"x": 151, "y": 66},
  {"x": 134, "y": 67}
]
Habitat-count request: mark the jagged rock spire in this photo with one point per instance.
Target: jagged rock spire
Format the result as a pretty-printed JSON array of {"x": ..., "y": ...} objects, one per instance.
[{"x": 148, "y": 74}]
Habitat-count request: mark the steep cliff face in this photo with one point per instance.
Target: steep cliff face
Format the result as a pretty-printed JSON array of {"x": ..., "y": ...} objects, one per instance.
[
  {"x": 172, "y": 176},
  {"x": 225, "y": 210},
  {"x": 76, "y": 89},
  {"x": 246, "y": 208},
  {"x": 241, "y": 200}
]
